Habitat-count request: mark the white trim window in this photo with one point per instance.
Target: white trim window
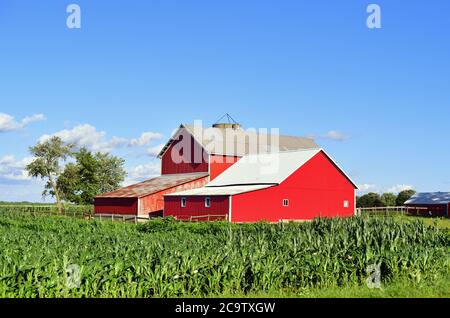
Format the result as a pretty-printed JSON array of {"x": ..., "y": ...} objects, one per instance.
[
  {"x": 285, "y": 202},
  {"x": 346, "y": 204},
  {"x": 183, "y": 202},
  {"x": 207, "y": 202}
]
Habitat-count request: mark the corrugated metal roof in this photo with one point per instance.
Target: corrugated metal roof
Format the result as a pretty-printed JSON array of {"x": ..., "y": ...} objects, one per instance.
[
  {"x": 271, "y": 168},
  {"x": 231, "y": 190},
  {"x": 239, "y": 142},
  {"x": 430, "y": 198},
  {"x": 153, "y": 185}
]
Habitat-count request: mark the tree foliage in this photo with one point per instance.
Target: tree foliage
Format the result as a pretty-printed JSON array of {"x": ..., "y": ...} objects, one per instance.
[
  {"x": 369, "y": 200},
  {"x": 388, "y": 199},
  {"x": 404, "y": 196},
  {"x": 91, "y": 175},
  {"x": 47, "y": 165}
]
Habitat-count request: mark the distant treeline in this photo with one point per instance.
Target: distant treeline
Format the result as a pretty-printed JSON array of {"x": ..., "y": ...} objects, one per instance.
[
  {"x": 24, "y": 203},
  {"x": 372, "y": 199}
]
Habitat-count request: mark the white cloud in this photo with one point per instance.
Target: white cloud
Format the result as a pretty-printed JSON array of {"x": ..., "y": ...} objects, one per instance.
[
  {"x": 367, "y": 187},
  {"x": 88, "y": 136},
  {"x": 142, "y": 172},
  {"x": 31, "y": 119},
  {"x": 14, "y": 170},
  {"x": 399, "y": 188},
  {"x": 9, "y": 123},
  {"x": 331, "y": 135},
  {"x": 336, "y": 135},
  {"x": 145, "y": 139},
  {"x": 370, "y": 187},
  {"x": 154, "y": 151}
]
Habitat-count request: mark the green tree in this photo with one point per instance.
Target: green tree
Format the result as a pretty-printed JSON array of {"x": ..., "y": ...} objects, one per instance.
[
  {"x": 404, "y": 196},
  {"x": 369, "y": 200},
  {"x": 46, "y": 165},
  {"x": 388, "y": 199},
  {"x": 91, "y": 175}
]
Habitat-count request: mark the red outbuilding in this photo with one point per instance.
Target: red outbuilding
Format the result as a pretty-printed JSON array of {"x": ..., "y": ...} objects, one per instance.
[
  {"x": 290, "y": 185},
  {"x": 147, "y": 198},
  {"x": 429, "y": 204}
]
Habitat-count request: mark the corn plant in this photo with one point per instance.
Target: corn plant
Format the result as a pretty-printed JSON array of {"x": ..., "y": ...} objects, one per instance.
[{"x": 164, "y": 258}]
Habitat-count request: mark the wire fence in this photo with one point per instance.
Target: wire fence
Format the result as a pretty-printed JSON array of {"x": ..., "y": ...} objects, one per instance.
[
  {"x": 87, "y": 212},
  {"x": 120, "y": 218},
  {"x": 77, "y": 211},
  {"x": 389, "y": 211}
]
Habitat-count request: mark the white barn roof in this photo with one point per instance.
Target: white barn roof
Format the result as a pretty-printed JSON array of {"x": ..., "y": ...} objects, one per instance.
[
  {"x": 429, "y": 198},
  {"x": 270, "y": 168},
  {"x": 219, "y": 190}
]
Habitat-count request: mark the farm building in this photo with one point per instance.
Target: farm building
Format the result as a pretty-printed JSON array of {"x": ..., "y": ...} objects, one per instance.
[
  {"x": 429, "y": 204},
  {"x": 289, "y": 185},
  {"x": 192, "y": 158},
  {"x": 147, "y": 198}
]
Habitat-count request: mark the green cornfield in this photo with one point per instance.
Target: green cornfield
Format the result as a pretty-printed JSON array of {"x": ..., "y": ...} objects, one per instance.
[{"x": 164, "y": 258}]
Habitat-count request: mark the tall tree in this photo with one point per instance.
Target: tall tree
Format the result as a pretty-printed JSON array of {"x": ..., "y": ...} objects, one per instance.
[
  {"x": 388, "y": 199},
  {"x": 404, "y": 196},
  {"x": 369, "y": 200},
  {"x": 46, "y": 165},
  {"x": 91, "y": 175}
]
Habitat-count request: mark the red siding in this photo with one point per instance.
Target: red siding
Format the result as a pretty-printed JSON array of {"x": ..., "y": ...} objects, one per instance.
[
  {"x": 431, "y": 210},
  {"x": 125, "y": 206},
  {"x": 218, "y": 164},
  {"x": 187, "y": 161},
  {"x": 155, "y": 202},
  {"x": 196, "y": 207},
  {"x": 318, "y": 189}
]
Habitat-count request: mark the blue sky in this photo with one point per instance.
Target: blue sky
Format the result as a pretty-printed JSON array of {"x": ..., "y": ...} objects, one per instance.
[{"x": 306, "y": 67}]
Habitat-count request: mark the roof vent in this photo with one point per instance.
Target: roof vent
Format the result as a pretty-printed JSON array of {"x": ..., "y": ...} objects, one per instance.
[{"x": 230, "y": 123}]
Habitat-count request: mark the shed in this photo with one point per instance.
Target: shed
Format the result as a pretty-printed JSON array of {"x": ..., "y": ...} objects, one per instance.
[
  {"x": 429, "y": 204},
  {"x": 147, "y": 198}
]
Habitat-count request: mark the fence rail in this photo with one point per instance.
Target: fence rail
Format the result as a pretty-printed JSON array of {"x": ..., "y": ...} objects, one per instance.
[
  {"x": 209, "y": 217},
  {"x": 388, "y": 210},
  {"x": 120, "y": 217}
]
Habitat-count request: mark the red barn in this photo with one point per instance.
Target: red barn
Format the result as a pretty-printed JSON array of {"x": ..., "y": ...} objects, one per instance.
[
  {"x": 429, "y": 204},
  {"x": 193, "y": 157},
  {"x": 292, "y": 185}
]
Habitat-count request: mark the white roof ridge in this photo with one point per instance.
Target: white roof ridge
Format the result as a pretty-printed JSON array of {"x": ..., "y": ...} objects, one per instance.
[
  {"x": 283, "y": 151},
  {"x": 242, "y": 185}
]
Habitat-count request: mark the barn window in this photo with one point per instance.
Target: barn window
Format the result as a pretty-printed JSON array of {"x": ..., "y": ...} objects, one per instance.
[
  {"x": 207, "y": 202},
  {"x": 346, "y": 204},
  {"x": 285, "y": 202},
  {"x": 183, "y": 202}
]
